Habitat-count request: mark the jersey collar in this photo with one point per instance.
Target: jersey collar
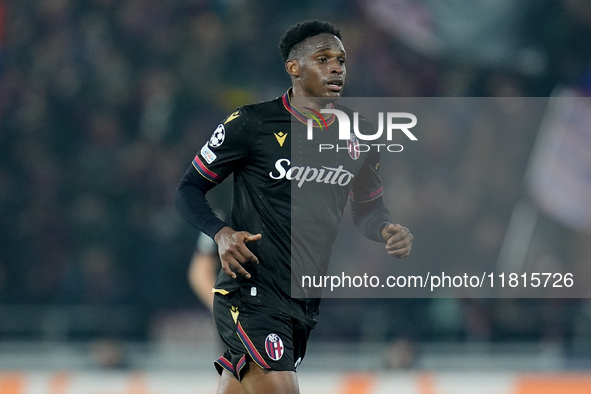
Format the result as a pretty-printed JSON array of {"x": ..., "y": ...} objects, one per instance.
[{"x": 303, "y": 117}]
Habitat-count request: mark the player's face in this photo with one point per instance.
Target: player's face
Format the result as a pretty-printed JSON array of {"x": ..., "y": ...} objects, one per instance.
[{"x": 321, "y": 71}]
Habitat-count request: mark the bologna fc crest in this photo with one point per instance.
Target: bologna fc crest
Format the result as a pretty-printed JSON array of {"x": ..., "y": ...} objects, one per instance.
[
  {"x": 353, "y": 147},
  {"x": 274, "y": 346},
  {"x": 218, "y": 136}
]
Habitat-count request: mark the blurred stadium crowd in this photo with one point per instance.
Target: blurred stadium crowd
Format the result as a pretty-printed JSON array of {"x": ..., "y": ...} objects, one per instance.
[{"x": 103, "y": 103}]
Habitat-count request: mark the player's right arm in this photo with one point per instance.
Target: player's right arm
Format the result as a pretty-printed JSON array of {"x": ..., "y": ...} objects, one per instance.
[
  {"x": 225, "y": 152},
  {"x": 234, "y": 252}
]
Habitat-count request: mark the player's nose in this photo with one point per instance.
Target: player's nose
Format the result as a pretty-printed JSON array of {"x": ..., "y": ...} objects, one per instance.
[{"x": 336, "y": 67}]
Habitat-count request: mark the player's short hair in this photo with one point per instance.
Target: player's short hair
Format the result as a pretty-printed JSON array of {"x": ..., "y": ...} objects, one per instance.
[{"x": 301, "y": 31}]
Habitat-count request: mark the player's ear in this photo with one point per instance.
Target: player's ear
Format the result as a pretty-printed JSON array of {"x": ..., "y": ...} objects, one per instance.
[{"x": 292, "y": 67}]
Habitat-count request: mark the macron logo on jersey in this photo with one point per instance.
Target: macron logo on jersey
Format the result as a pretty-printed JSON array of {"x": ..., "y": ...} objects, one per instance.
[{"x": 329, "y": 175}]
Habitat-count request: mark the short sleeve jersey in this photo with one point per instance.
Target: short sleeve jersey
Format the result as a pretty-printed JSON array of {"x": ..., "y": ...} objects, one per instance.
[{"x": 290, "y": 191}]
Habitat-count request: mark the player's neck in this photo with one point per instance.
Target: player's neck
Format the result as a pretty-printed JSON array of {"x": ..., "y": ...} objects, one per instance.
[{"x": 301, "y": 101}]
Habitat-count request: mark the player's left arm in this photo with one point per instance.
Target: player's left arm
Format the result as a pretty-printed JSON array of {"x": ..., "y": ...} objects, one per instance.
[
  {"x": 398, "y": 240},
  {"x": 373, "y": 220},
  {"x": 371, "y": 217}
]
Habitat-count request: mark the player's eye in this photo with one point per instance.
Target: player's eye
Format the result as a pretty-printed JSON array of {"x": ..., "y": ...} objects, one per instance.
[
  {"x": 322, "y": 59},
  {"x": 341, "y": 61}
]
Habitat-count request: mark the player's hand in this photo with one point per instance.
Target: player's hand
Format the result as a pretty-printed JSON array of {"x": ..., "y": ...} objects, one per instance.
[
  {"x": 398, "y": 240},
  {"x": 233, "y": 251}
]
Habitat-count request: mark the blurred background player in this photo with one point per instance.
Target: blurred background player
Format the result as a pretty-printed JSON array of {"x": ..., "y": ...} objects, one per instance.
[{"x": 203, "y": 269}]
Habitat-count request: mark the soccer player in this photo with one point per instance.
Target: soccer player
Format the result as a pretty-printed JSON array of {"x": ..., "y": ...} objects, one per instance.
[
  {"x": 283, "y": 223},
  {"x": 203, "y": 270}
]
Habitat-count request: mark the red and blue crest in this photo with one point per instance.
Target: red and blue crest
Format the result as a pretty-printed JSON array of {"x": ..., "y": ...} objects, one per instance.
[
  {"x": 274, "y": 346},
  {"x": 353, "y": 147}
]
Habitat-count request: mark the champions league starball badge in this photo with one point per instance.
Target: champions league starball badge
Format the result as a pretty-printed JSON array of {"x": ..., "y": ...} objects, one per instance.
[
  {"x": 218, "y": 136},
  {"x": 274, "y": 346}
]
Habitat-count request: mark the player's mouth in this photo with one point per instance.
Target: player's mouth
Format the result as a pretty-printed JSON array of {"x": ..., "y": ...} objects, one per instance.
[{"x": 336, "y": 85}]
